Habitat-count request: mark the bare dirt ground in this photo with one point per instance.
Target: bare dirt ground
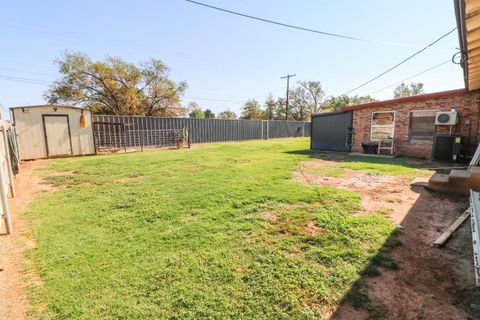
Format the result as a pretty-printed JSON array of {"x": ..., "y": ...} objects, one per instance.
[
  {"x": 431, "y": 283},
  {"x": 13, "y": 299}
]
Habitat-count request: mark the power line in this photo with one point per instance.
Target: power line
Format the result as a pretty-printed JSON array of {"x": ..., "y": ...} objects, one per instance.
[
  {"x": 400, "y": 63},
  {"x": 25, "y": 80},
  {"x": 415, "y": 75},
  {"x": 213, "y": 99},
  {"x": 30, "y": 72},
  {"x": 45, "y": 82},
  {"x": 330, "y": 34}
]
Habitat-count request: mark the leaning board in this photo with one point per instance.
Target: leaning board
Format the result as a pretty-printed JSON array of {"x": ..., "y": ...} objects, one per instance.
[{"x": 475, "y": 220}]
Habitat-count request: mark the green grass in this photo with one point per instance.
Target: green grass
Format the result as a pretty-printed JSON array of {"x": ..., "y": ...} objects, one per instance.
[
  {"x": 220, "y": 231},
  {"x": 384, "y": 166},
  {"x": 378, "y": 166},
  {"x": 334, "y": 171}
]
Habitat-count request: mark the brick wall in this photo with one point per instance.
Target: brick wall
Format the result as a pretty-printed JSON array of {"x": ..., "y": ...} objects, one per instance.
[{"x": 465, "y": 104}]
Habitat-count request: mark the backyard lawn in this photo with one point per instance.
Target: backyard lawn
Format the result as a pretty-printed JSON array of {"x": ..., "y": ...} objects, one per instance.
[{"x": 219, "y": 231}]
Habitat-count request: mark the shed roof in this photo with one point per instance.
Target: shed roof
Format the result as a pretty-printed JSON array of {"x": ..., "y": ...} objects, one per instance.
[
  {"x": 46, "y": 106},
  {"x": 405, "y": 99}
]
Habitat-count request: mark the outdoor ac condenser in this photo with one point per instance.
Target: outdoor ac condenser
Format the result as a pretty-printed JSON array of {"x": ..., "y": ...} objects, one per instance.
[{"x": 446, "y": 118}]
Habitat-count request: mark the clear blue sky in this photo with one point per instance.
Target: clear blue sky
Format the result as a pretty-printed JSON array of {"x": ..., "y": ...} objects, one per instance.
[{"x": 225, "y": 57}]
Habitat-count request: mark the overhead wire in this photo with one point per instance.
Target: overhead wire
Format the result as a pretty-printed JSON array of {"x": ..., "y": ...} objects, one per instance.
[
  {"x": 411, "y": 77},
  {"x": 46, "y": 83},
  {"x": 25, "y": 80},
  {"x": 325, "y": 33},
  {"x": 29, "y": 72},
  {"x": 401, "y": 62}
]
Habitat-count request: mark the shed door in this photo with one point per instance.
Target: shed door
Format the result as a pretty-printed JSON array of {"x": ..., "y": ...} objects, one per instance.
[
  {"x": 57, "y": 135},
  {"x": 332, "y": 131}
]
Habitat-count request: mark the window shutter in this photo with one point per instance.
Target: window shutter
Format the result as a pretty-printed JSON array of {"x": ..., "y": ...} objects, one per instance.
[{"x": 422, "y": 124}]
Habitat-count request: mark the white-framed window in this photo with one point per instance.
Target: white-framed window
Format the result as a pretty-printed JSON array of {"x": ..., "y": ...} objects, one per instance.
[
  {"x": 382, "y": 125},
  {"x": 422, "y": 124}
]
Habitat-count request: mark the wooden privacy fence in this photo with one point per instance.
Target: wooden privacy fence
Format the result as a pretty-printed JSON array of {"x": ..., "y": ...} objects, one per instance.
[{"x": 109, "y": 128}]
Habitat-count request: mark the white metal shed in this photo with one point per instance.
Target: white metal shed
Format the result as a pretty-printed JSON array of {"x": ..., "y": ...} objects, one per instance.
[{"x": 47, "y": 131}]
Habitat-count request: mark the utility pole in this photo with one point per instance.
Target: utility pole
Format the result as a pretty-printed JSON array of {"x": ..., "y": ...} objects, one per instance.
[{"x": 288, "y": 76}]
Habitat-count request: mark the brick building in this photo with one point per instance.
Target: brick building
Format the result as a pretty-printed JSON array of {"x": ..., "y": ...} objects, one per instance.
[{"x": 410, "y": 121}]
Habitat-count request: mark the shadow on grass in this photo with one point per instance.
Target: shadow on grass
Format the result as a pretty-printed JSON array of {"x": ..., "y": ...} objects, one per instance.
[
  {"x": 357, "y": 296},
  {"x": 418, "y": 267},
  {"x": 345, "y": 157},
  {"x": 415, "y": 163}
]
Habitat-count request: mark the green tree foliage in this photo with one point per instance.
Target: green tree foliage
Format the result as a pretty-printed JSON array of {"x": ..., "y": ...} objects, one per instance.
[
  {"x": 209, "y": 114},
  {"x": 280, "y": 109},
  {"x": 270, "y": 107},
  {"x": 307, "y": 99},
  {"x": 274, "y": 109},
  {"x": 117, "y": 87},
  {"x": 407, "y": 90},
  {"x": 335, "y": 103},
  {"x": 197, "y": 113},
  {"x": 227, "y": 115},
  {"x": 252, "y": 110}
]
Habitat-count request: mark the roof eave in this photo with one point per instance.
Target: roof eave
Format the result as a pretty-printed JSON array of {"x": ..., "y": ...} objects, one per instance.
[
  {"x": 405, "y": 99},
  {"x": 45, "y": 106}
]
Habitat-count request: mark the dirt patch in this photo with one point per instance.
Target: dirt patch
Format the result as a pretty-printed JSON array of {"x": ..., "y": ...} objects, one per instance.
[
  {"x": 312, "y": 230},
  {"x": 14, "y": 303},
  {"x": 63, "y": 174},
  {"x": 427, "y": 285},
  {"x": 379, "y": 193},
  {"x": 270, "y": 216}
]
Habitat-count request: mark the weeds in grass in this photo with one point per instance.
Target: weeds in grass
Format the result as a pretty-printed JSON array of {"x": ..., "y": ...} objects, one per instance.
[
  {"x": 394, "y": 200},
  {"x": 328, "y": 170},
  {"x": 385, "y": 211},
  {"x": 219, "y": 231},
  {"x": 385, "y": 166}
]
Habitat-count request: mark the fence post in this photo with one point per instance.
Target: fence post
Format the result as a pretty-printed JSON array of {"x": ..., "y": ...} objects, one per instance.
[
  {"x": 124, "y": 138},
  {"x": 3, "y": 195},
  {"x": 268, "y": 122},
  {"x": 9, "y": 162},
  {"x": 303, "y": 129}
]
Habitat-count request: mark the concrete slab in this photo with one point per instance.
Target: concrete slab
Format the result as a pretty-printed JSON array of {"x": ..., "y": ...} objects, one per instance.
[{"x": 360, "y": 154}]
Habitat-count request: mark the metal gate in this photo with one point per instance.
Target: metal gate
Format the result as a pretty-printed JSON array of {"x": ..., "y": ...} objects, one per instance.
[
  {"x": 331, "y": 131},
  {"x": 113, "y": 136}
]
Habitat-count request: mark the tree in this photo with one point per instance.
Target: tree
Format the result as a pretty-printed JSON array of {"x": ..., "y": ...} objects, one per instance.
[
  {"x": 300, "y": 104},
  {"x": 407, "y": 90},
  {"x": 270, "y": 107},
  {"x": 197, "y": 113},
  {"x": 209, "y": 114},
  {"x": 227, "y": 115},
  {"x": 117, "y": 87},
  {"x": 280, "y": 109},
  {"x": 335, "y": 103},
  {"x": 306, "y": 99},
  {"x": 252, "y": 110}
]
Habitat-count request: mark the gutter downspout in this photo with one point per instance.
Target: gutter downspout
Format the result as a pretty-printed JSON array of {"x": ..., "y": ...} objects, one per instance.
[{"x": 462, "y": 37}]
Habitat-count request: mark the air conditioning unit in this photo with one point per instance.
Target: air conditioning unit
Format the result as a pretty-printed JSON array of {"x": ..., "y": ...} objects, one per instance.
[
  {"x": 446, "y": 118},
  {"x": 447, "y": 147}
]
